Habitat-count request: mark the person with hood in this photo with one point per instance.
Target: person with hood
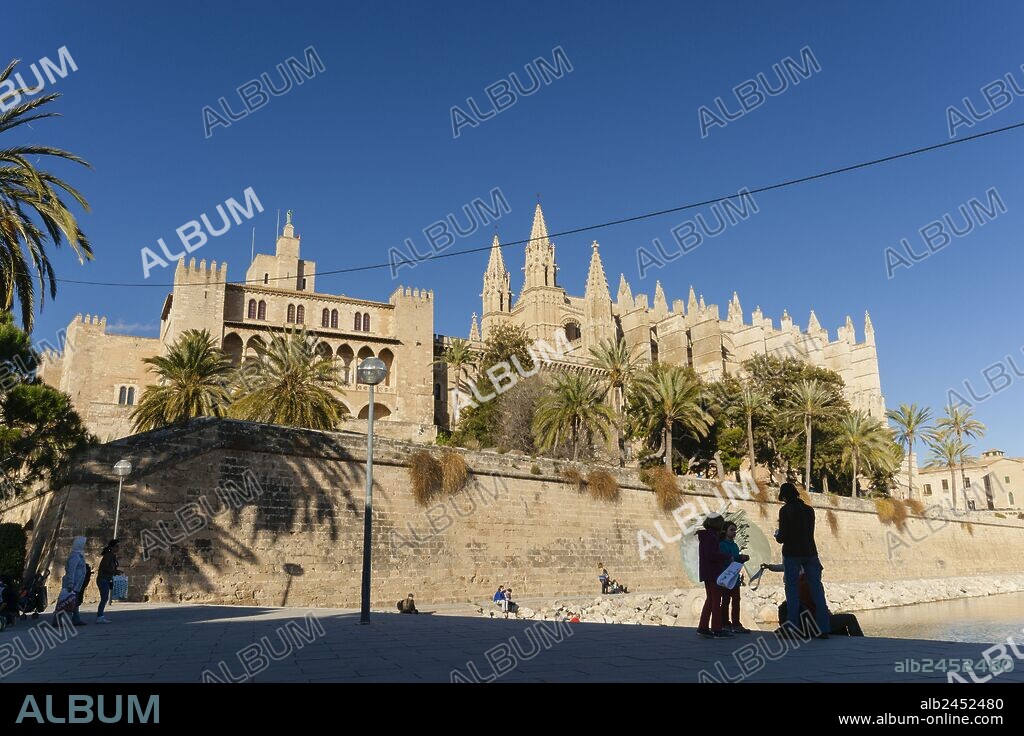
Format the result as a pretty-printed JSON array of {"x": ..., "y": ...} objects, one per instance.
[
  {"x": 711, "y": 561},
  {"x": 105, "y": 577},
  {"x": 796, "y": 535},
  {"x": 74, "y": 577}
]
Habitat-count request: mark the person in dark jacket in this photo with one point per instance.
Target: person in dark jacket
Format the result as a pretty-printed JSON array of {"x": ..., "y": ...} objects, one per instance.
[
  {"x": 105, "y": 577},
  {"x": 796, "y": 535},
  {"x": 407, "y": 605},
  {"x": 711, "y": 561}
]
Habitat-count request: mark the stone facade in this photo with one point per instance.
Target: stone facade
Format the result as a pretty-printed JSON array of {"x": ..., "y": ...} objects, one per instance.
[
  {"x": 690, "y": 334},
  {"x": 993, "y": 482},
  {"x": 278, "y": 294},
  {"x": 236, "y": 512}
]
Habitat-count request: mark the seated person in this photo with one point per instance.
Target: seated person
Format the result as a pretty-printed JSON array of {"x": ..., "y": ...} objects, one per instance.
[
  {"x": 408, "y": 605},
  {"x": 500, "y": 600},
  {"x": 841, "y": 624},
  {"x": 617, "y": 587},
  {"x": 511, "y": 606}
]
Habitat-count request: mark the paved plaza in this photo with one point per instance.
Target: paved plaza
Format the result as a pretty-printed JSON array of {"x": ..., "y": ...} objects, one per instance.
[{"x": 178, "y": 643}]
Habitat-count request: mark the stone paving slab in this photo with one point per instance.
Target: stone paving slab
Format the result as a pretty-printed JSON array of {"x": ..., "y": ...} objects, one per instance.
[{"x": 176, "y": 643}]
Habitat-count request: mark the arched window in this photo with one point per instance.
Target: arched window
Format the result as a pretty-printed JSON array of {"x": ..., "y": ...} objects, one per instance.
[
  {"x": 325, "y": 318},
  {"x": 291, "y": 313},
  {"x": 252, "y": 309},
  {"x": 359, "y": 321},
  {"x": 266, "y": 278},
  {"x": 366, "y": 322},
  {"x": 261, "y": 311},
  {"x": 131, "y": 396},
  {"x": 334, "y": 318},
  {"x": 122, "y": 395},
  {"x": 300, "y": 315}
]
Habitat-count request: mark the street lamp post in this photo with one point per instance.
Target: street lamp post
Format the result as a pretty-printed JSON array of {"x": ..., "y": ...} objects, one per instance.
[
  {"x": 122, "y": 468},
  {"x": 371, "y": 371}
]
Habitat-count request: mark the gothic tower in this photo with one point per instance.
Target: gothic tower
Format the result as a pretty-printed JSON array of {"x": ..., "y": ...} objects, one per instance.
[
  {"x": 598, "y": 322},
  {"x": 497, "y": 293},
  {"x": 541, "y": 302}
]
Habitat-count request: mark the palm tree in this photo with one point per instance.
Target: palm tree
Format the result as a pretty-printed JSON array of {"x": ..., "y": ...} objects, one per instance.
[
  {"x": 33, "y": 210},
  {"x": 750, "y": 400},
  {"x": 808, "y": 401},
  {"x": 291, "y": 384},
  {"x": 664, "y": 395},
  {"x": 457, "y": 356},
  {"x": 911, "y": 424},
  {"x": 616, "y": 361},
  {"x": 575, "y": 404},
  {"x": 960, "y": 423},
  {"x": 193, "y": 379},
  {"x": 866, "y": 440},
  {"x": 948, "y": 452}
]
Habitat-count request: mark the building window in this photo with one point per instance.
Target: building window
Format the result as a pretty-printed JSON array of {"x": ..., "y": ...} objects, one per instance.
[
  {"x": 1009, "y": 496},
  {"x": 334, "y": 319},
  {"x": 945, "y": 485},
  {"x": 437, "y": 392},
  {"x": 967, "y": 482},
  {"x": 1007, "y": 478},
  {"x": 291, "y": 313},
  {"x": 266, "y": 278},
  {"x": 325, "y": 318},
  {"x": 303, "y": 285},
  {"x": 122, "y": 395},
  {"x": 252, "y": 309},
  {"x": 300, "y": 315},
  {"x": 261, "y": 311},
  {"x": 131, "y": 396},
  {"x": 359, "y": 322},
  {"x": 366, "y": 322},
  {"x": 927, "y": 489}
]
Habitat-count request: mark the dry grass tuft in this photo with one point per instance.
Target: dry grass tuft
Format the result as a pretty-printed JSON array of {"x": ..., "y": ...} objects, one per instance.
[
  {"x": 426, "y": 475},
  {"x": 916, "y": 506},
  {"x": 892, "y": 511},
  {"x": 574, "y": 478},
  {"x": 602, "y": 485},
  {"x": 662, "y": 481},
  {"x": 833, "y": 522},
  {"x": 454, "y": 472},
  {"x": 970, "y": 528},
  {"x": 833, "y": 500}
]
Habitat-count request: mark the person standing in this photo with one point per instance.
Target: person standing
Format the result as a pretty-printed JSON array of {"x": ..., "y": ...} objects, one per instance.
[
  {"x": 105, "y": 578},
  {"x": 75, "y": 577},
  {"x": 796, "y": 535},
  {"x": 603, "y": 577},
  {"x": 711, "y": 562},
  {"x": 728, "y": 546}
]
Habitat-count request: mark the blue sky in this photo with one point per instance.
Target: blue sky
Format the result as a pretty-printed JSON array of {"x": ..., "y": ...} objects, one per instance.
[{"x": 364, "y": 154}]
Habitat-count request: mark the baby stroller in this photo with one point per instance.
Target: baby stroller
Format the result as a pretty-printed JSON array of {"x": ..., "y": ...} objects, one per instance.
[{"x": 33, "y": 595}]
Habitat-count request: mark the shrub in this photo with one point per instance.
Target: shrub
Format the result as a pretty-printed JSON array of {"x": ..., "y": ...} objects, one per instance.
[
  {"x": 833, "y": 522},
  {"x": 454, "y": 472},
  {"x": 426, "y": 475},
  {"x": 662, "y": 481},
  {"x": 575, "y": 479},
  {"x": 602, "y": 485},
  {"x": 833, "y": 499},
  {"x": 999, "y": 516},
  {"x": 916, "y": 505},
  {"x": 535, "y": 469},
  {"x": 12, "y": 550}
]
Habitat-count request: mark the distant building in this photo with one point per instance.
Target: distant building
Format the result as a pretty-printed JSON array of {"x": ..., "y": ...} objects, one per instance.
[{"x": 993, "y": 481}]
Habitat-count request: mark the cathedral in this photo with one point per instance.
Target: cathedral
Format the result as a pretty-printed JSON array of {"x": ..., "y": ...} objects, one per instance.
[
  {"x": 691, "y": 334},
  {"x": 105, "y": 374}
]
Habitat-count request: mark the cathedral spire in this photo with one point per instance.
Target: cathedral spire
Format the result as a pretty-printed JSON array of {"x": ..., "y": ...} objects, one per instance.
[
  {"x": 813, "y": 326},
  {"x": 540, "y": 255},
  {"x": 474, "y": 330},
  {"x": 496, "y": 263},
  {"x": 597, "y": 284},
  {"x": 625, "y": 297},
  {"x": 691, "y": 303},
  {"x": 735, "y": 310},
  {"x": 869, "y": 329},
  {"x": 660, "y": 309}
]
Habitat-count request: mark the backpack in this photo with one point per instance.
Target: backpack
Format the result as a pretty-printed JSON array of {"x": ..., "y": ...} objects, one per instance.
[{"x": 85, "y": 584}]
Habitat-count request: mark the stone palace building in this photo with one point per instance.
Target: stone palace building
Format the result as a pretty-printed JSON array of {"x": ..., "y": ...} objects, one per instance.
[{"x": 105, "y": 375}]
